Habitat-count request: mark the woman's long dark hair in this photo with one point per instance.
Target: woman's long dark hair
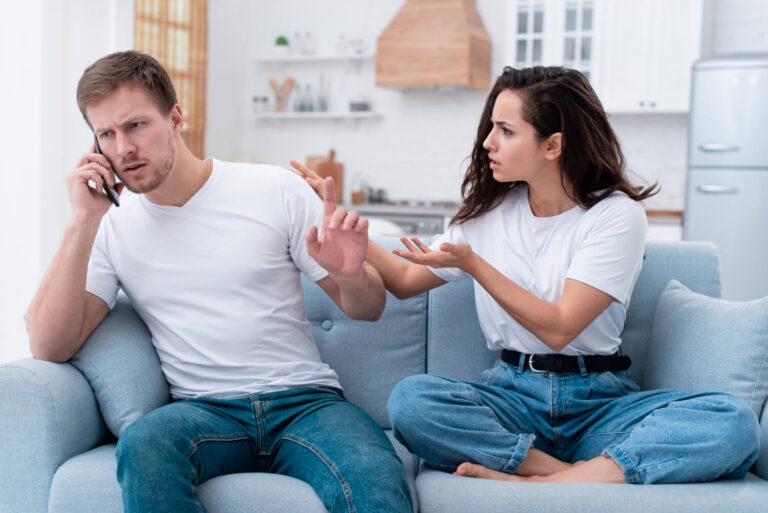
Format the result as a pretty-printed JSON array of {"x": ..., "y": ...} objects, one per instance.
[{"x": 554, "y": 100}]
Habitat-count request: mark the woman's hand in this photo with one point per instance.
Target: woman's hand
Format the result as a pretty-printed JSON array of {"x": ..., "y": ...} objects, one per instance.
[
  {"x": 313, "y": 179},
  {"x": 458, "y": 255}
]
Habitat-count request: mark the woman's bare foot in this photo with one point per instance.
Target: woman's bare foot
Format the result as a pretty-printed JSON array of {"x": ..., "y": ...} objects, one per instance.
[
  {"x": 482, "y": 472},
  {"x": 596, "y": 470}
]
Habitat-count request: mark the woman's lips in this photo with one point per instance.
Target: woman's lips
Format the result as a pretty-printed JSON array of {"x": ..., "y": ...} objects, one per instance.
[{"x": 494, "y": 164}]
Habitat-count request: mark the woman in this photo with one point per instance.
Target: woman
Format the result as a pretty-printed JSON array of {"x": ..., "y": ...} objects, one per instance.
[{"x": 553, "y": 234}]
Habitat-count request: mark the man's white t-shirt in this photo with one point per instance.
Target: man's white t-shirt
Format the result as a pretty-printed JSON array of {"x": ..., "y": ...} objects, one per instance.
[
  {"x": 602, "y": 246},
  {"x": 217, "y": 281}
]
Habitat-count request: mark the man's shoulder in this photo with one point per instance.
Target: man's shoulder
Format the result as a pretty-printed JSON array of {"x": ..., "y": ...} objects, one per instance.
[{"x": 252, "y": 174}]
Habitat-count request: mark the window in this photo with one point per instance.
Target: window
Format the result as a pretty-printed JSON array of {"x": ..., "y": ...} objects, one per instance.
[
  {"x": 552, "y": 33},
  {"x": 175, "y": 32}
]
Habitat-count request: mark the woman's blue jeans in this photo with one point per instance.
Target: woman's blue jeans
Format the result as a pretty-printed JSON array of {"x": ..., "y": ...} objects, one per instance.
[
  {"x": 312, "y": 434},
  {"x": 655, "y": 436}
]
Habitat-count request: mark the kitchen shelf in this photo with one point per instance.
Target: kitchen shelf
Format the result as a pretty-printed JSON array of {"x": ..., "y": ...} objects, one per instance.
[
  {"x": 315, "y": 58},
  {"x": 317, "y": 115}
]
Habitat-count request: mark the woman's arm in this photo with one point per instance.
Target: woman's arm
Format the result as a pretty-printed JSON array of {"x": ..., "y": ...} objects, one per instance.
[
  {"x": 556, "y": 325},
  {"x": 402, "y": 278}
]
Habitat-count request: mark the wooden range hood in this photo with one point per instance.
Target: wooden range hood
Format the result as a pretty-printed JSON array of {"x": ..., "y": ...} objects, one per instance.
[{"x": 435, "y": 43}]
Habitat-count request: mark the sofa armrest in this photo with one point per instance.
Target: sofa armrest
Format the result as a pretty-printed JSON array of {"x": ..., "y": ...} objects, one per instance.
[
  {"x": 48, "y": 413},
  {"x": 761, "y": 467}
]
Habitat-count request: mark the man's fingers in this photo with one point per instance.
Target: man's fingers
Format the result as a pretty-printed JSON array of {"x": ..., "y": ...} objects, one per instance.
[
  {"x": 350, "y": 220},
  {"x": 313, "y": 244},
  {"x": 362, "y": 225}
]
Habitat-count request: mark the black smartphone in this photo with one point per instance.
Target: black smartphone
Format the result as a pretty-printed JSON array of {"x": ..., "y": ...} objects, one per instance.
[{"x": 111, "y": 194}]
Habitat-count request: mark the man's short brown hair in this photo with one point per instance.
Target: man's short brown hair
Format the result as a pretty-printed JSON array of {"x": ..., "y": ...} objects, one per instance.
[{"x": 105, "y": 75}]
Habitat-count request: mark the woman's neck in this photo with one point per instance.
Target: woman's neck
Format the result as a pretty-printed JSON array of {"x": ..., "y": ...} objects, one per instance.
[{"x": 549, "y": 200}]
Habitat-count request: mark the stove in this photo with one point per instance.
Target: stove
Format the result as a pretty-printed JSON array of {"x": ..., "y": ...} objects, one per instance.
[{"x": 413, "y": 217}]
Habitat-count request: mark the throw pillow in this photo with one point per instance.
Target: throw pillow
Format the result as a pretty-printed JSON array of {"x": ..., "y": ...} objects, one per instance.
[
  {"x": 120, "y": 363},
  {"x": 704, "y": 344}
]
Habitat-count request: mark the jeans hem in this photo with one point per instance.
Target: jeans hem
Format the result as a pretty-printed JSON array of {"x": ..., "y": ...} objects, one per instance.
[
  {"x": 622, "y": 459},
  {"x": 524, "y": 443}
]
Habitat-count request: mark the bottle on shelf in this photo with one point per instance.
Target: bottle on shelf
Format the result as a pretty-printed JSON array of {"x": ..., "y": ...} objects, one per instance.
[
  {"x": 322, "y": 95},
  {"x": 310, "y": 44},
  {"x": 308, "y": 99}
]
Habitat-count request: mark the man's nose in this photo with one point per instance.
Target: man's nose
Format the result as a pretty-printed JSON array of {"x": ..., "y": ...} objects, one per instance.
[{"x": 125, "y": 146}]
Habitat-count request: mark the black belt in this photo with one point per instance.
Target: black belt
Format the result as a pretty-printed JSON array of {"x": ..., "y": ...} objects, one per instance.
[{"x": 565, "y": 363}]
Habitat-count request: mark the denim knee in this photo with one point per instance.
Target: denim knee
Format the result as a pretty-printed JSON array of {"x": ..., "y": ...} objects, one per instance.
[
  {"x": 140, "y": 448},
  {"x": 740, "y": 431},
  {"x": 407, "y": 400}
]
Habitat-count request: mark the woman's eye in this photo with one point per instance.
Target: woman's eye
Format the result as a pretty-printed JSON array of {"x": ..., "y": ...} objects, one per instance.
[{"x": 506, "y": 132}]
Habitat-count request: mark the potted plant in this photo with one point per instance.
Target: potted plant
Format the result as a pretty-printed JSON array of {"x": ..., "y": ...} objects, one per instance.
[{"x": 282, "y": 47}]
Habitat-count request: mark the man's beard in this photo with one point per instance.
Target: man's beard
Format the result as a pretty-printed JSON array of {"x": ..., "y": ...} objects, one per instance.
[{"x": 157, "y": 179}]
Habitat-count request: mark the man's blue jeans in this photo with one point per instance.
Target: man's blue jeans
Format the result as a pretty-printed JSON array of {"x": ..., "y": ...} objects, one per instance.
[
  {"x": 655, "y": 436},
  {"x": 312, "y": 434}
]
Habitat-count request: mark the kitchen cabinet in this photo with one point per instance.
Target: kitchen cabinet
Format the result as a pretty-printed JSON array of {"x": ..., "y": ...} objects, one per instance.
[
  {"x": 637, "y": 54},
  {"x": 553, "y": 33},
  {"x": 649, "y": 48}
]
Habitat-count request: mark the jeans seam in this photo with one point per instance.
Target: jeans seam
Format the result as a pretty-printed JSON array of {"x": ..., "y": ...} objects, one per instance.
[
  {"x": 258, "y": 409},
  {"x": 329, "y": 464},
  {"x": 212, "y": 438}
]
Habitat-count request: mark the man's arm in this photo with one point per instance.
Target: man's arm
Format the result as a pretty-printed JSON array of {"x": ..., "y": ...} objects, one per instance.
[
  {"x": 62, "y": 314},
  {"x": 341, "y": 248}
]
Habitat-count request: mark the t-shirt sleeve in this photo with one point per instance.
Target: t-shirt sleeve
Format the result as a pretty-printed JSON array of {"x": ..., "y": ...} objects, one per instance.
[
  {"x": 611, "y": 256},
  {"x": 303, "y": 208},
  {"x": 102, "y": 279},
  {"x": 454, "y": 234}
]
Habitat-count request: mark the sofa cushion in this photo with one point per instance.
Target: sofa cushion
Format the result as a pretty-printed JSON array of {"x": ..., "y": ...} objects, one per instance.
[
  {"x": 87, "y": 483},
  {"x": 707, "y": 344},
  {"x": 440, "y": 492},
  {"x": 121, "y": 364}
]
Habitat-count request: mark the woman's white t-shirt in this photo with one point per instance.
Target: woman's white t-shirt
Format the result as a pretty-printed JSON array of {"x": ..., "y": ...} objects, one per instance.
[{"x": 602, "y": 246}]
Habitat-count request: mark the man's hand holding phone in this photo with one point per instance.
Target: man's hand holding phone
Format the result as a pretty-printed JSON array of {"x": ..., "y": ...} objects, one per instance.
[{"x": 94, "y": 167}]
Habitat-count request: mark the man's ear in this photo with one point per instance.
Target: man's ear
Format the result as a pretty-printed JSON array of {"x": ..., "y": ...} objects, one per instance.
[
  {"x": 177, "y": 118},
  {"x": 553, "y": 147}
]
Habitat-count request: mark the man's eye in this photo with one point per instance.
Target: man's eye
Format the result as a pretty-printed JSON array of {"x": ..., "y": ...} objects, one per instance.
[
  {"x": 136, "y": 124},
  {"x": 104, "y": 135}
]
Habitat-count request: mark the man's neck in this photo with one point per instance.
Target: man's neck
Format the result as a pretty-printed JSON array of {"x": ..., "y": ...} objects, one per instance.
[{"x": 186, "y": 177}]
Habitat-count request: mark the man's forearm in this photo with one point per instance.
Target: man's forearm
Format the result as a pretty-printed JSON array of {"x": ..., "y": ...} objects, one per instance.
[
  {"x": 55, "y": 316},
  {"x": 362, "y": 297}
]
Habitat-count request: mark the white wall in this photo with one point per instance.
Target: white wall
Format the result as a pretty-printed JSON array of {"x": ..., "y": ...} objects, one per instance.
[{"x": 43, "y": 135}]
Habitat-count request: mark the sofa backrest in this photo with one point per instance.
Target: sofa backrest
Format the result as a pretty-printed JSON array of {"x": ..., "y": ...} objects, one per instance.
[
  {"x": 370, "y": 358},
  {"x": 456, "y": 347}
]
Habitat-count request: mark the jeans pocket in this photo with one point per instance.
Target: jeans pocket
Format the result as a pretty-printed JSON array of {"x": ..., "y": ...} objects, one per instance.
[
  {"x": 488, "y": 377},
  {"x": 620, "y": 381}
]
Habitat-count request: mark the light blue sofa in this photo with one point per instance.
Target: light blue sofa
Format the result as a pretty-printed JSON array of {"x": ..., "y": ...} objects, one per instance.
[{"x": 57, "y": 451}]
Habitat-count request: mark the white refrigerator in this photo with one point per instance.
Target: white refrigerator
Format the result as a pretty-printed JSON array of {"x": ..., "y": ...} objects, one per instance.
[{"x": 727, "y": 187}]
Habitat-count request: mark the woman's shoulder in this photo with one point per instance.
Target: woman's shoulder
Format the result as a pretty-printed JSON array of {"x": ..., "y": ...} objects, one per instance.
[{"x": 617, "y": 208}]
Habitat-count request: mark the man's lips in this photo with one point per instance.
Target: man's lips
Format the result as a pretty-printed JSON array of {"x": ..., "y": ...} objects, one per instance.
[{"x": 133, "y": 169}]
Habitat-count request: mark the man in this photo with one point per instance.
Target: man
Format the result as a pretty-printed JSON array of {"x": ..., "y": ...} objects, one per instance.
[{"x": 210, "y": 255}]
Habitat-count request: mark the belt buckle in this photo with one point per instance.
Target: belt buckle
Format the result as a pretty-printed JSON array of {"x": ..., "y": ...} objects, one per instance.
[{"x": 530, "y": 364}]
